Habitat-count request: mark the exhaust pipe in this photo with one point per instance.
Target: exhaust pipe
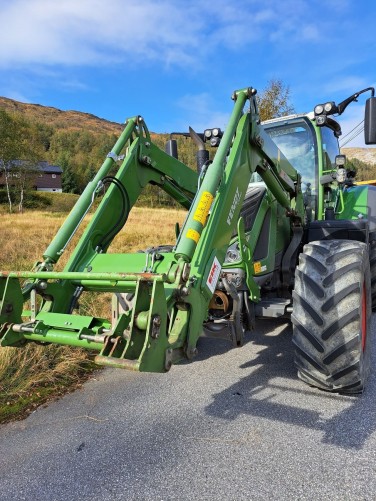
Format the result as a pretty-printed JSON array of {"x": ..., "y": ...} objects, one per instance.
[{"x": 202, "y": 155}]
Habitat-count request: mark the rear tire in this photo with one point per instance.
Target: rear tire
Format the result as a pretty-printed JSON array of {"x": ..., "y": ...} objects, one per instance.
[{"x": 332, "y": 314}]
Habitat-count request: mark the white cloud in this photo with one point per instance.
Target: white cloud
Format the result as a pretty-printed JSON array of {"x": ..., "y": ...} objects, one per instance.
[
  {"x": 73, "y": 85},
  {"x": 92, "y": 32},
  {"x": 310, "y": 32},
  {"x": 44, "y": 42},
  {"x": 17, "y": 96},
  {"x": 348, "y": 84},
  {"x": 338, "y": 5}
]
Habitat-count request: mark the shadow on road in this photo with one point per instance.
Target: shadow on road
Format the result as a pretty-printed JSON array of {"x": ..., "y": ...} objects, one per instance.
[{"x": 260, "y": 393}]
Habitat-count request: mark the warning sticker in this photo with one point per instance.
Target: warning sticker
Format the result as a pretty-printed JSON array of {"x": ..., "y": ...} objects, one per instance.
[
  {"x": 212, "y": 280},
  {"x": 193, "y": 235},
  {"x": 258, "y": 268},
  {"x": 203, "y": 207}
]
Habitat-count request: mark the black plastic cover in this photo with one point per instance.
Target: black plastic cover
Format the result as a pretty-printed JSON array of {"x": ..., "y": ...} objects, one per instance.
[
  {"x": 171, "y": 148},
  {"x": 202, "y": 156},
  {"x": 356, "y": 229},
  {"x": 251, "y": 205}
]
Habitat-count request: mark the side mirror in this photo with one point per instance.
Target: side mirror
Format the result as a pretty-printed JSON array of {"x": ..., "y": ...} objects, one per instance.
[{"x": 370, "y": 121}]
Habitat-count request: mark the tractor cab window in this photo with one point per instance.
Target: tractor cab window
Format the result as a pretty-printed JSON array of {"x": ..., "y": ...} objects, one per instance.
[
  {"x": 330, "y": 148},
  {"x": 296, "y": 140}
]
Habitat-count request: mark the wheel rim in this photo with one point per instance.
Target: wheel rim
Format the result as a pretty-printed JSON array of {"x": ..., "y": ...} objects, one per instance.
[{"x": 364, "y": 317}]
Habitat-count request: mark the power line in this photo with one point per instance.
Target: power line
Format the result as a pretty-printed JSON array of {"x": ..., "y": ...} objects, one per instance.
[
  {"x": 352, "y": 137},
  {"x": 352, "y": 130}
]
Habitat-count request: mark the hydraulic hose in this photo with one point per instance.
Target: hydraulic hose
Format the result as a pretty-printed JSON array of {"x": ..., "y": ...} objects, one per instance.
[{"x": 106, "y": 239}]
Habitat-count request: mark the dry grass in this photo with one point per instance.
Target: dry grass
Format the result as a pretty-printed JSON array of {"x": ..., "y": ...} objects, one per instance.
[
  {"x": 35, "y": 374},
  {"x": 30, "y": 376},
  {"x": 147, "y": 227},
  {"x": 24, "y": 237}
]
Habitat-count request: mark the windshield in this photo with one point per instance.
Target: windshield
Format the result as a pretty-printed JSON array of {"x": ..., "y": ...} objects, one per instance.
[{"x": 296, "y": 141}]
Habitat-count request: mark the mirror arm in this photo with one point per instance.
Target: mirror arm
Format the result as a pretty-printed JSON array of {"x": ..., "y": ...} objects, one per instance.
[{"x": 344, "y": 104}]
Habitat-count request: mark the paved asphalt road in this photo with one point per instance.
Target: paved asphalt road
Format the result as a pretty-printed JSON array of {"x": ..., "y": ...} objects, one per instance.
[{"x": 231, "y": 426}]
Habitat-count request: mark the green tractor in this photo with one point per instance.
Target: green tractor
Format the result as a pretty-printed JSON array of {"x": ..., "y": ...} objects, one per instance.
[{"x": 275, "y": 228}]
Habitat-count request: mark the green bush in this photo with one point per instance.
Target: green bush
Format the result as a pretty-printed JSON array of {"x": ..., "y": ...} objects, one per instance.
[{"x": 37, "y": 200}]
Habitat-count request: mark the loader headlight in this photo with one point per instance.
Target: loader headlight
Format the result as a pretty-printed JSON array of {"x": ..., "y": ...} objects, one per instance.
[
  {"x": 319, "y": 109},
  {"x": 321, "y": 120},
  {"x": 214, "y": 141},
  {"x": 210, "y": 134},
  {"x": 328, "y": 107}
]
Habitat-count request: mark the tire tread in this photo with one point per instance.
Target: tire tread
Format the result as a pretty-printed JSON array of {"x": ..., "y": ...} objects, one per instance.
[{"x": 327, "y": 314}]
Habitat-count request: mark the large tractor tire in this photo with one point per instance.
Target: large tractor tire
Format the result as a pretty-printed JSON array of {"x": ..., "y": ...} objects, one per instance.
[{"x": 332, "y": 315}]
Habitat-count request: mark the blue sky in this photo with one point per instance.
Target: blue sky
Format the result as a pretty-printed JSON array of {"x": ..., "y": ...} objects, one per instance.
[{"x": 176, "y": 63}]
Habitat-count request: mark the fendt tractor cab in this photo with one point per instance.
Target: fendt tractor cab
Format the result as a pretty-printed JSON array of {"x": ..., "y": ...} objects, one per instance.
[{"x": 276, "y": 227}]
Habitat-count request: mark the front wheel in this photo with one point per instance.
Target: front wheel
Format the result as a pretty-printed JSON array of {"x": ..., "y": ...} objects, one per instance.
[{"x": 332, "y": 314}]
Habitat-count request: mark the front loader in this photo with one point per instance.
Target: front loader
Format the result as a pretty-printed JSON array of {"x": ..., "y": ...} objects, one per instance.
[{"x": 275, "y": 228}]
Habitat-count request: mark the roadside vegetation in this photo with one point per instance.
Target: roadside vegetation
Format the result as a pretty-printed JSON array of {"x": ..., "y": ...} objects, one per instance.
[
  {"x": 363, "y": 171},
  {"x": 32, "y": 375}
]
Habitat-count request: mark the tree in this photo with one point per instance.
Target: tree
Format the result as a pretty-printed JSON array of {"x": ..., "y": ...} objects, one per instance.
[
  {"x": 274, "y": 100},
  {"x": 9, "y": 148},
  {"x": 31, "y": 152},
  {"x": 69, "y": 181},
  {"x": 45, "y": 132},
  {"x": 24, "y": 172},
  {"x": 21, "y": 149},
  {"x": 364, "y": 171}
]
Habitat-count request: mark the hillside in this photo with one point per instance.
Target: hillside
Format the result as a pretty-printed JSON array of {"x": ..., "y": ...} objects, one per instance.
[
  {"x": 366, "y": 155},
  {"x": 77, "y": 120},
  {"x": 79, "y": 142},
  {"x": 71, "y": 120}
]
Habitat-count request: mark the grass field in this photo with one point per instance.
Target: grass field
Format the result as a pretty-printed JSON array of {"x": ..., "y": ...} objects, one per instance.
[{"x": 32, "y": 375}]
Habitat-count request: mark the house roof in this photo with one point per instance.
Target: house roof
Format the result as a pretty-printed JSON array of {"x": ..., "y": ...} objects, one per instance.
[
  {"x": 51, "y": 169},
  {"x": 42, "y": 165}
]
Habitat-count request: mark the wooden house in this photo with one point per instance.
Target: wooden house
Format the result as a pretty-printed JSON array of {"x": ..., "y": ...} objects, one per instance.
[{"x": 42, "y": 177}]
